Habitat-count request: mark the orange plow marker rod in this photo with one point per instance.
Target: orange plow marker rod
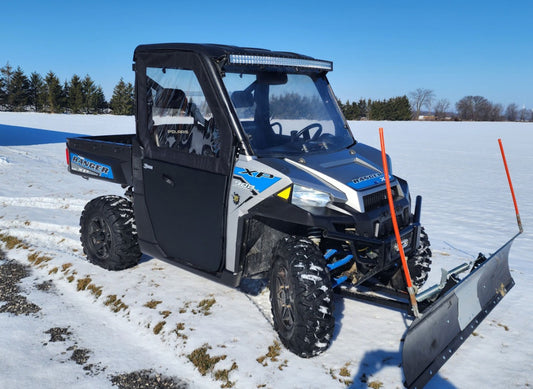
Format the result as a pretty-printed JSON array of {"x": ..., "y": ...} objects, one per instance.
[
  {"x": 518, "y": 220},
  {"x": 410, "y": 288}
]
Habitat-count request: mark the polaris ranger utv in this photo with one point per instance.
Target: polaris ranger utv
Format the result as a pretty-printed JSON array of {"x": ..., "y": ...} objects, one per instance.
[{"x": 243, "y": 166}]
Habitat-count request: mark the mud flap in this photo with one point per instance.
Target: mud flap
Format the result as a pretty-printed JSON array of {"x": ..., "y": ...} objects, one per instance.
[{"x": 443, "y": 327}]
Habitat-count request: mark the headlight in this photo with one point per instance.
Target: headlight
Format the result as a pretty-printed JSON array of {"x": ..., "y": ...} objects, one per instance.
[{"x": 307, "y": 197}]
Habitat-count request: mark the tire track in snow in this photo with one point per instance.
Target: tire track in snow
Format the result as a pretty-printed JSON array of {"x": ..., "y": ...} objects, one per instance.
[{"x": 74, "y": 205}]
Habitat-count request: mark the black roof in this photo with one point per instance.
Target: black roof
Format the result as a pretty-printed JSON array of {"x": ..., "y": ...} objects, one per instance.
[{"x": 213, "y": 50}]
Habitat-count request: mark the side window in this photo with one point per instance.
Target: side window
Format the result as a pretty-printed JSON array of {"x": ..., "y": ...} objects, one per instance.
[{"x": 180, "y": 118}]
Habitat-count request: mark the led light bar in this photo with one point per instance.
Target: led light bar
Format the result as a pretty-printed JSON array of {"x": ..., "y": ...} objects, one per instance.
[{"x": 280, "y": 61}]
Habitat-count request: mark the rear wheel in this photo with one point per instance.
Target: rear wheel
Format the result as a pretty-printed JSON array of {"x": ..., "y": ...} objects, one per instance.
[
  {"x": 301, "y": 297},
  {"x": 108, "y": 233}
]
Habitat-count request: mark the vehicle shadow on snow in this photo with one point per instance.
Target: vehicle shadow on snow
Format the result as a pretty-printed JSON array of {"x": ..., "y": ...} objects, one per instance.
[
  {"x": 27, "y": 136},
  {"x": 374, "y": 361}
]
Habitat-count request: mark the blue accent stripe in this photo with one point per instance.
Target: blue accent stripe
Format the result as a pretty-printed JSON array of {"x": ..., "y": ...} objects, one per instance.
[{"x": 259, "y": 180}]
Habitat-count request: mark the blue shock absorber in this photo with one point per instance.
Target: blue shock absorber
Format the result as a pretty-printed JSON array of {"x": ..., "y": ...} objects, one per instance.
[
  {"x": 330, "y": 253},
  {"x": 335, "y": 265},
  {"x": 339, "y": 263},
  {"x": 337, "y": 281}
]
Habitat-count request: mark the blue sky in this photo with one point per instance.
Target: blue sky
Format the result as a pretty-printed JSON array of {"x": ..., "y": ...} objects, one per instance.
[{"x": 380, "y": 49}]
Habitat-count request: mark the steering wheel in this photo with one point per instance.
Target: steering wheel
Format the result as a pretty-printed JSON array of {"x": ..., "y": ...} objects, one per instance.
[{"x": 306, "y": 129}]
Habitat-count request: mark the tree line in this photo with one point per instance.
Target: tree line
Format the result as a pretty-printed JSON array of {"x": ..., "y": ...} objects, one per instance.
[
  {"x": 423, "y": 105},
  {"x": 19, "y": 92},
  {"x": 396, "y": 108},
  {"x": 476, "y": 108}
]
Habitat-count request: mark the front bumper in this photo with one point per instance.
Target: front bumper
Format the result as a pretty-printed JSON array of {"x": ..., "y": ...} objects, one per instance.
[{"x": 374, "y": 255}]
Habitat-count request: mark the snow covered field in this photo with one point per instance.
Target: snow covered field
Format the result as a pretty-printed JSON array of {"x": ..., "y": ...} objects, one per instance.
[{"x": 157, "y": 316}]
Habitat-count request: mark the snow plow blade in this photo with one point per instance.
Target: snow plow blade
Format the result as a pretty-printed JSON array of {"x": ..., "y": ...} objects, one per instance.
[{"x": 444, "y": 325}]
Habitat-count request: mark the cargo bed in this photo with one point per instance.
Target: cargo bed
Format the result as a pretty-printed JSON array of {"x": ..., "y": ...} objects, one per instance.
[{"x": 106, "y": 157}]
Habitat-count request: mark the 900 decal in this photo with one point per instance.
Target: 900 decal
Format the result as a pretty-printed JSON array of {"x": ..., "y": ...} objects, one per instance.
[{"x": 87, "y": 166}]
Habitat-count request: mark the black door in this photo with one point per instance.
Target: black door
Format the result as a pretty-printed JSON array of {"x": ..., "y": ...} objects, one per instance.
[
  {"x": 187, "y": 159},
  {"x": 187, "y": 209}
]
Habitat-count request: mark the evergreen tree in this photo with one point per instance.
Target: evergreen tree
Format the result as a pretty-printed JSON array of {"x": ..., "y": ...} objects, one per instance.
[
  {"x": 53, "y": 93},
  {"x": 7, "y": 74},
  {"x": 98, "y": 100},
  {"x": 63, "y": 101},
  {"x": 401, "y": 108},
  {"x": 376, "y": 110},
  {"x": 37, "y": 92},
  {"x": 89, "y": 90},
  {"x": 3, "y": 93},
  {"x": 122, "y": 101},
  {"x": 5, "y": 80},
  {"x": 75, "y": 95},
  {"x": 363, "y": 108},
  {"x": 351, "y": 111},
  {"x": 396, "y": 108},
  {"x": 18, "y": 91}
]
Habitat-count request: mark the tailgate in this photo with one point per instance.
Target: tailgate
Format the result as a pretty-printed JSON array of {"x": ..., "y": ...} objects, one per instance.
[{"x": 104, "y": 157}]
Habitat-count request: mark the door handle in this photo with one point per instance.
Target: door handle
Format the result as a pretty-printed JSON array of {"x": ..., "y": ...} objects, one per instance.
[{"x": 168, "y": 180}]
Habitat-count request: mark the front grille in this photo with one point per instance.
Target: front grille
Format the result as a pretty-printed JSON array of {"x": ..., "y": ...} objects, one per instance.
[{"x": 378, "y": 199}]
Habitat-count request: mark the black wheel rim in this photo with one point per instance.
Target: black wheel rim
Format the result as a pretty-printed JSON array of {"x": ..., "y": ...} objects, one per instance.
[
  {"x": 284, "y": 300},
  {"x": 99, "y": 237}
]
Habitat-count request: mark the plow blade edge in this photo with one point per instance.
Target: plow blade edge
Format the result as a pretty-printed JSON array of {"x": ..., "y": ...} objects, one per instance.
[{"x": 433, "y": 338}]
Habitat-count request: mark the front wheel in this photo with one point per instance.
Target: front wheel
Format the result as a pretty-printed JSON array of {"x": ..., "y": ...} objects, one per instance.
[
  {"x": 108, "y": 233},
  {"x": 419, "y": 264},
  {"x": 301, "y": 297}
]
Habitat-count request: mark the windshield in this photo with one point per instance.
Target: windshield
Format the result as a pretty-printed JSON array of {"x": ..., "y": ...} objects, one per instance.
[{"x": 287, "y": 114}]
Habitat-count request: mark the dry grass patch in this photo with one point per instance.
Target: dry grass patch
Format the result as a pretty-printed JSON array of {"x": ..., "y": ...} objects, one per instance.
[
  {"x": 65, "y": 267},
  {"x": 12, "y": 242},
  {"x": 159, "y": 326},
  {"x": 95, "y": 290},
  {"x": 83, "y": 283},
  {"x": 343, "y": 375},
  {"x": 180, "y": 327},
  {"x": 273, "y": 353},
  {"x": 204, "y": 306},
  {"x": 223, "y": 375},
  {"x": 153, "y": 304},
  {"x": 203, "y": 361},
  {"x": 115, "y": 304},
  {"x": 36, "y": 259}
]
